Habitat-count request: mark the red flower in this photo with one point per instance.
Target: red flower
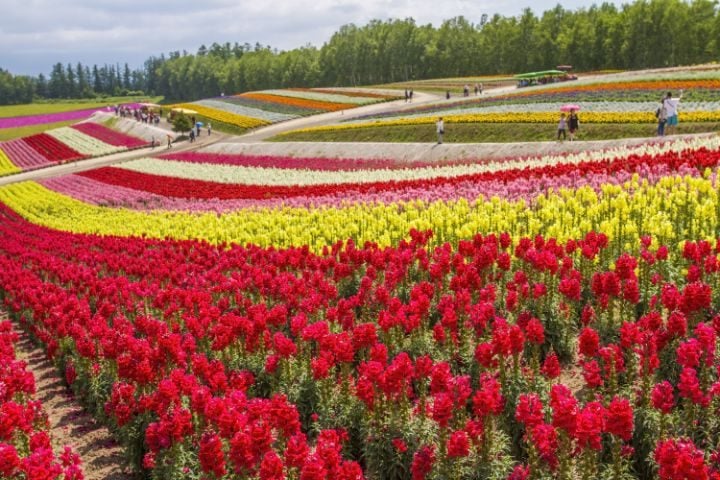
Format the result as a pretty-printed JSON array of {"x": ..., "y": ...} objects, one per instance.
[
  {"x": 689, "y": 387},
  {"x": 588, "y": 342},
  {"x": 210, "y": 454},
  {"x": 620, "y": 418},
  {"x": 551, "y": 366},
  {"x": 529, "y": 410},
  {"x": 590, "y": 425},
  {"x": 458, "y": 445},
  {"x": 422, "y": 463},
  {"x": 679, "y": 459},
  {"x": 662, "y": 397},
  {"x": 535, "y": 332},
  {"x": 544, "y": 437},
  {"x": 271, "y": 467},
  {"x": 399, "y": 445},
  {"x": 9, "y": 460},
  {"x": 442, "y": 409}
]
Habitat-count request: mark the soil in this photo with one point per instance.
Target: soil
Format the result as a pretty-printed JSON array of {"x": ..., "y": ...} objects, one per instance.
[{"x": 102, "y": 457}]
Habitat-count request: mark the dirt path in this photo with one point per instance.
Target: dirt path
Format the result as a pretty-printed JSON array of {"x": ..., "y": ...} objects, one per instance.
[{"x": 102, "y": 457}]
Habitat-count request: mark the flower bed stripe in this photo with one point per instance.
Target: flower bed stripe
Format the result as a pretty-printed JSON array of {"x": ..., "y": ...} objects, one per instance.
[
  {"x": 298, "y": 102},
  {"x": 15, "y": 122},
  {"x": 84, "y": 144},
  {"x": 52, "y": 149},
  {"x": 6, "y": 166},
  {"x": 246, "y": 111},
  {"x": 224, "y": 116},
  {"x": 22, "y": 155},
  {"x": 109, "y": 136}
]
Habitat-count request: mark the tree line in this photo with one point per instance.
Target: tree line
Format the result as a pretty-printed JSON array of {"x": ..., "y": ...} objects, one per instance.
[{"x": 642, "y": 34}]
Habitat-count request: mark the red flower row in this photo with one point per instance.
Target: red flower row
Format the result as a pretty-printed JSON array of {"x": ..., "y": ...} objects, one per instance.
[
  {"x": 185, "y": 188},
  {"x": 52, "y": 149}
]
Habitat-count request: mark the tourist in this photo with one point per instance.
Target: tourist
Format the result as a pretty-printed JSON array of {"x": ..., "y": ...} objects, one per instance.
[
  {"x": 407, "y": 96},
  {"x": 480, "y": 88},
  {"x": 440, "y": 127},
  {"x": 447, "y": 95},
  {"x": 573, "y": 124},
  {"x": 562, "y": 125},
  {"x": 477, "y": 89},
  {"x": 661, "y": 115},
  {"x": 192, "y": 135},
  {"x": 209, "y": 129},
  {"x": 152, "y": 142},
  {"x": 411, "y": 95},
  {"x": 169, "y": 140},
  {"x": 671, "y": 112}
]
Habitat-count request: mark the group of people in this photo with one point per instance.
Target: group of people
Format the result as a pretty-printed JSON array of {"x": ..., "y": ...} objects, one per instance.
[
  {"x": 667, "y": 114},
  {"x": 195, "y": 131},
  {"x": 466, "y": 91},
  {"x": 571, "y": 124},
  {"x": 144, "y": 116}
]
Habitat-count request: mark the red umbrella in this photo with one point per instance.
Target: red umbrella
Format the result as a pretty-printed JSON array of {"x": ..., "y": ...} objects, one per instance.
[{"x": 570, "y": 106}]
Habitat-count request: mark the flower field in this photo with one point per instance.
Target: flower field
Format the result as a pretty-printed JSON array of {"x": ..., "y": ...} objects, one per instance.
[
  {"x": 25, "y": 120},
  {"x": 25, "y": 446},
  {"x": 231, "y": 316},
  {"x": 256, "y": 109},
  {"x": 61, "y": 145},
  {"x": 613, "y": 100}
]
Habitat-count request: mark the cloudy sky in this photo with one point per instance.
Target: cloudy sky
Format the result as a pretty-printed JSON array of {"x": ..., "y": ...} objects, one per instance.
[{"x": 37, "y": 33}]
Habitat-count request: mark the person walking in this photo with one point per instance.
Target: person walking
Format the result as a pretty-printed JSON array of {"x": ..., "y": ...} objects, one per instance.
[
  {"x": 192, "y": 136},
  {"x": 440, "y": 128},
  {"x": 661, "y": 115},
  {"x": 573, "y": 124},
  {"x": 209, "y": 129},
  {"x": 169, "y": 140},
  {"x": 407, "y": 96},
  {"x": 671, "y": 112},
  {"x": 562, "y": 125}
]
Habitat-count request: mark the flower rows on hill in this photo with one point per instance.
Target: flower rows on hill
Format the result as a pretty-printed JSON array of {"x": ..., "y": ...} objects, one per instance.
[
  {"x": 25, "y": 446},
  {"x": 564, "y": 196},
  {"x": 255, "y": 109},
  {"x": 63, "y": 145},
  {"x": 411, "y": 361},
  {"x": 701, "y": 95},
  {"x": 516, "y": 116}
]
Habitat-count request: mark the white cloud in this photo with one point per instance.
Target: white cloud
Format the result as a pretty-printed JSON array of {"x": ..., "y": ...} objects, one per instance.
[{"x": 37, "y": 33}]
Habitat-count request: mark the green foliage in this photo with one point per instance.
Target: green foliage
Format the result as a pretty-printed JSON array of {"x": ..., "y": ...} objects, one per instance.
[{"x": 181, "y": 123}]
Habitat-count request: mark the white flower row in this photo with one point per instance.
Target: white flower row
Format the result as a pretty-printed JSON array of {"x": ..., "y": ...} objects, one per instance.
[
  {"x": 320, "y": 96},
  {"x": 83, "y": 143},
  {"x": 246, "y": 111},
  {"x": 242, "y": 175}
]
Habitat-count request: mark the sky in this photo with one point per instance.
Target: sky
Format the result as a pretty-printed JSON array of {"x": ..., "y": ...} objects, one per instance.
[{"x": 38, "y": 33}]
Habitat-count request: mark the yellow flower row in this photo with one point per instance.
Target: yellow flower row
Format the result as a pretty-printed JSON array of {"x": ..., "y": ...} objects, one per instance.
[
  {"x": 6, "y": 166},
  {"x": 673, "y": 209},
  {"x": 222, "y": 116},
  {"x": 520, "y": 117}
]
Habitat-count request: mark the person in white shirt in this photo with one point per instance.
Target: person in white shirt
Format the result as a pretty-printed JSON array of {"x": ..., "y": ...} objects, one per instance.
[
  {"x": 440, "y": 127},
  {"x": 671, "y": 112}
]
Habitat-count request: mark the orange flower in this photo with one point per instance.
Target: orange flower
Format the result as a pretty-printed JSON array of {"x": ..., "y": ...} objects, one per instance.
[{"x": 299, "y": 102}]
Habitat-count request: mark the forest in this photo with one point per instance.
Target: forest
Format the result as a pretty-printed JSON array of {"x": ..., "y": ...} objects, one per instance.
[{"x": 641, "y": 34}]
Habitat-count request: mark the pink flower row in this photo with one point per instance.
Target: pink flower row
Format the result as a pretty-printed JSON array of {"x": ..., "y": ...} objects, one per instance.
[
  {"x": 24, "y": 156},
  {"x": 98, "y": 193}
]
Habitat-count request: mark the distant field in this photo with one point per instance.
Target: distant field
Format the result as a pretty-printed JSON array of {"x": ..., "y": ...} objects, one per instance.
[
  {"x": 487, "y": 132},
  {"x": 11, "y": 133},
  {"x": 67, "y": 105}
]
